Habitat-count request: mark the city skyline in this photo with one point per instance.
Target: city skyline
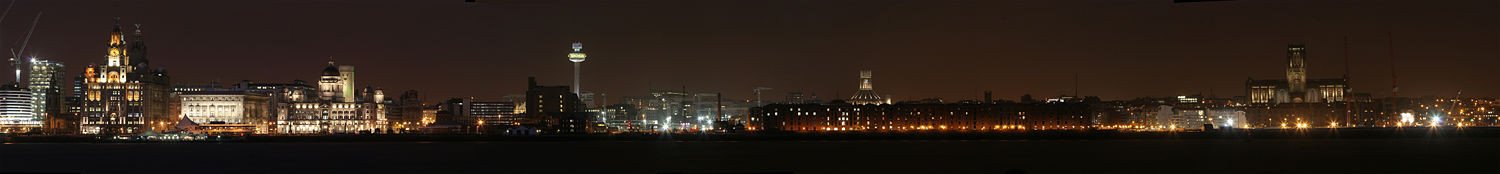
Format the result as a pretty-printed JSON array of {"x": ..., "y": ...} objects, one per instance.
[
  {"x": 750, "y": 86},
  {"x": 788, "y": 55}
]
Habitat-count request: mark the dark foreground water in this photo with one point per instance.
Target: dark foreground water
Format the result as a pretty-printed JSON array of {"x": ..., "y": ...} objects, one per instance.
[{"x": 1291, "y": 155}]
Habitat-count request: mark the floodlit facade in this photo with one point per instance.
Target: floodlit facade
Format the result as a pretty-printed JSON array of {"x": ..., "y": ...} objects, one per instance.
[
  {"x": 337, "y": 109},
  {"x": 227, "y": 111},
  {"x": 16, "y": 110},
  {"x": 1297, "y": 88},
  {"x": 125, "y": 96},
  {"x": 866, "y": 94}
]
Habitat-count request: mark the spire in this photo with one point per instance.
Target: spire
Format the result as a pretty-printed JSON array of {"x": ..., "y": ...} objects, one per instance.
[{"x": 137, "y": 50}]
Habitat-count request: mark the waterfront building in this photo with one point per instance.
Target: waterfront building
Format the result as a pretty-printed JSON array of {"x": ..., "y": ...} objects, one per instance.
[
  {"x": 1181, "y": 117},
  {"x": 17, "y": 112},
  {"x": 493, "y": 113},
  {"x": 45, "y": 79},
  {"x": 227, "y": 112},
  {"x": 337, "y": 109},
  {"x": 627, "y": 118},
  {"x": 920, "y": 117},
  {"x": 125, "y": 96},
  {"x": 429, "y": 114},
  {"x": 280, "y": 97},
  {"x": 410, "y": 116},
  {"x": 555, "y": 107}
]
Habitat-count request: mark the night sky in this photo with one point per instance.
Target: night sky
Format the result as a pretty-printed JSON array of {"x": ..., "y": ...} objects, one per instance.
[{"x": 1120, "y": 49}]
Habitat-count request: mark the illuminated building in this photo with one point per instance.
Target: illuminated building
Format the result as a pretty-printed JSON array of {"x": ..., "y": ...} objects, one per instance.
[
  {"x": 587, "y": 97},
  {"x": 280, "y": 97},
  {"x": 627, "y": 117},
  {"x": 17, "y": 112},
  {"x": 338, "y": 109},
  {"x": 125, "y": 96},
  {"x": 493, "y": 112},
  {"x": 227, "y": 111},
  {"x": 1181, "y": 117},
  {"x": 920, "y": 117},
  {"x": 866, "y": 94},
  {"x": 45, "y": 79},
  {"x": 1297, "y": 88},
  {"x": 429, "y": 114},
  {"x": 337, "y": 83}
]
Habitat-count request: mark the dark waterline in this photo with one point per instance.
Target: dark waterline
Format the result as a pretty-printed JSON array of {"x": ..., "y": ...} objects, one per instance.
[{"x": 1429, "y": 154}]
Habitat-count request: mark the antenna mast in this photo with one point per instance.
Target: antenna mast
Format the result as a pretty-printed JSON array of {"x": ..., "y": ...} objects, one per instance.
[{"x": 1391, "y": 45}]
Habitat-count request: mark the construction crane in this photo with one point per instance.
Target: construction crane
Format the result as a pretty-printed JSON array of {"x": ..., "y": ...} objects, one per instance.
[
  {"x": 757, "y": 95},
  {"x": 14, "y": 61},
  {"x": 27, "y": 41}
]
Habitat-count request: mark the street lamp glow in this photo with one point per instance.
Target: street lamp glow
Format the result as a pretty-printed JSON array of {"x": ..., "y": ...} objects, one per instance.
[{"x": 1408, "y": 118}]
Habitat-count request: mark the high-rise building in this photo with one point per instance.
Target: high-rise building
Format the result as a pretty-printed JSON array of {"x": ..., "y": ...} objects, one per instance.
[
  {"x": 45, "y": 78},
  {"x": 555, "y": 107},
  {"x": 125, "y": 96},
  {"x": 866, "y": 94},
  {"x": 16, "y": 109},
  {"x": 1297, "y": 88},
  {"x": 337, "y": 108}
]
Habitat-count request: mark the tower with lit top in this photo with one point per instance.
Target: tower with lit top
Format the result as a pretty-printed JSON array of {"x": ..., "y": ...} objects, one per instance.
[
  {"x": 577, "y": 57},
  {"x": 866, "y": 94},
  {"x": 124, "y": 96}
]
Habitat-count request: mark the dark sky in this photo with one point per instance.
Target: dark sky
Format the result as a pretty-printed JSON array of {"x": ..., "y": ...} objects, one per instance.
[{"x": 1120, "y": 49}]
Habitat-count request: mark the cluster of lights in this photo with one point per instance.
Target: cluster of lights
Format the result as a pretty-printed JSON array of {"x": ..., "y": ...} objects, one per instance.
[{"x": 940, "y": 127}]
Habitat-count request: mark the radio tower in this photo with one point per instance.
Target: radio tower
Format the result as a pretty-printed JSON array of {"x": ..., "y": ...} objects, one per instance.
[
  {"x": 577, "y": 57},
  {"x": 1391, "y": 45}
]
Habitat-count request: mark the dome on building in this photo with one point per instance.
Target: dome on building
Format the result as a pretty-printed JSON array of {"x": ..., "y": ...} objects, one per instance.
[{"x": 331, "y": 70}]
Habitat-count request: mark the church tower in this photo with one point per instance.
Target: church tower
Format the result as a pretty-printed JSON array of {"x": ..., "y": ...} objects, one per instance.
[
  {"x": 1296, "y": 69},
  {"x": 866, "y": 94}
]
